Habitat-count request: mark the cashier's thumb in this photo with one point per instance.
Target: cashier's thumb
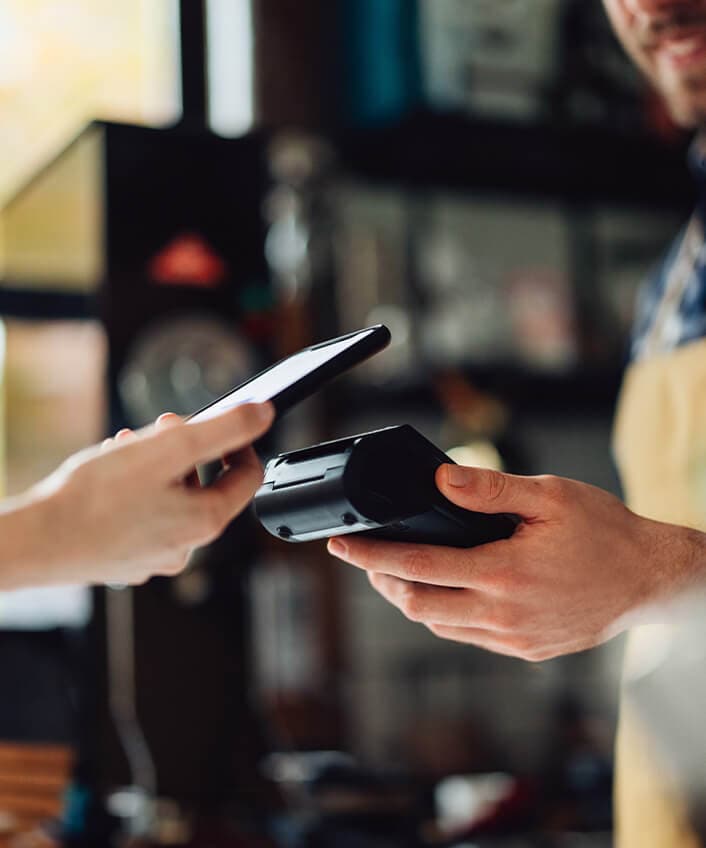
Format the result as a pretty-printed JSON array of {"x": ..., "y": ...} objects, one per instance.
[{"x": 485, "y": 490}]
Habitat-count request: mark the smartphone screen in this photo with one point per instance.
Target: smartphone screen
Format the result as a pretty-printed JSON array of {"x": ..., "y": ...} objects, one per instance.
[{"x": 300, "y": 375}]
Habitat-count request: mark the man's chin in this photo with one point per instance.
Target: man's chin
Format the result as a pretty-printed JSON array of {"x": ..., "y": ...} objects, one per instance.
[
  {"x": 691, "y": 117},
  {"x": 686, "y": 109},
  {"x": 686, "y": 101}
]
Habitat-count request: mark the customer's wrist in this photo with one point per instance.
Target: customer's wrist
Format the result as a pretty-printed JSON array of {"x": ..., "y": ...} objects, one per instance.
[{"x": 28, "y": 556}]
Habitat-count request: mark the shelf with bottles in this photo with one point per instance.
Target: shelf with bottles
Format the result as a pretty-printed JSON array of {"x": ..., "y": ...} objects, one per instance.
[
  {"x": 518, "y": 290},
  {"x": 578, "y": 163},
  {"x": 531, "y": 96},
  {"x": 505, "y": 181},
  {"x": 579, "y": 392}
]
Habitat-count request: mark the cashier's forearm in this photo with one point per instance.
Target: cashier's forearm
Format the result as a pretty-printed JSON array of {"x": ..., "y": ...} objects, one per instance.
[
  {"x": 676, "y": 561},
  {"x": 580, "y": 568}
]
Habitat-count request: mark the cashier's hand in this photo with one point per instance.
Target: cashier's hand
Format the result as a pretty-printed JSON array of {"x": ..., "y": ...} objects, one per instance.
[
  {"x": 580, "y": 569},
  {"x": 131, "y": 509}
]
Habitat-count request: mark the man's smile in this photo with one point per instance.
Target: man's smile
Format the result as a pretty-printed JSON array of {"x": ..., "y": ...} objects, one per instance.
[
  {"x": 678, "y": 38},
  {"x": 667, "y": 40},
  {"x": 683, "y": 51}
]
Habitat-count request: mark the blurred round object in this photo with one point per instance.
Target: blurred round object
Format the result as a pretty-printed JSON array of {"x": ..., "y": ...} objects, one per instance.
[
  {"x": 287, "y": 243},
  {"x": 172, "y": 826},
  {"x": 399, "y": 356},
  {"x": 297, "y": 157},
  {"x": 280, "y": 202},
  {"x": 8, "y": 822},
  {"x": 193, "y": 586},
  {"x": 469, "y": 409},
  {"x": 461, "y": 329},
  {"x": 37, "y": 838},
  {"x": 289, "y": 767},
  {"x": 134, "y": 808},
  {"x": 541, "y": 310},
  {"x": 463, "y": 801},
  {"x": 181, "y": 364},
  {"x": 395, "y": 319},
  {"x": 445, "y": 264}
]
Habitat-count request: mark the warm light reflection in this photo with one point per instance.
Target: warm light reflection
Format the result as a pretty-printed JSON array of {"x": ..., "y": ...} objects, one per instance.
[
  {"x": 66, "y": 62},
  {"x": 230, "y": 66},
  {"x": 55, "y": 397},
  {"x": 2, "y": 409}
]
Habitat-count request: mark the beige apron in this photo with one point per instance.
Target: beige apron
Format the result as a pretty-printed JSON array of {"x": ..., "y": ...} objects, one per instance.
[
  {"x": 2, "y": 409},
  {"x": 660, "y": 447}
]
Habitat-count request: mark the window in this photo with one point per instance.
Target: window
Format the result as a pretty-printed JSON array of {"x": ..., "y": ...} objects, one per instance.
[{"x": 66, "y": 62}]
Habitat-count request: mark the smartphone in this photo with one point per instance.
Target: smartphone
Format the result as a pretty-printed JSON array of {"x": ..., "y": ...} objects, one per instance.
[{"x": 302, "y": 374}]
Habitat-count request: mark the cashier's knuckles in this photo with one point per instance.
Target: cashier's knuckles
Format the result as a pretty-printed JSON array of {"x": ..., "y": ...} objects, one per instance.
[
  {"x": 555, "y": 587},
  {"x": 452, "y": 607}
]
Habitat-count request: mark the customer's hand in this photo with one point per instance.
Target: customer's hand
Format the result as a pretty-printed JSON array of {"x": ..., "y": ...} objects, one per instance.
[
  {"x": 579, "y": 569},
  {"x": 130, "y": 509}
]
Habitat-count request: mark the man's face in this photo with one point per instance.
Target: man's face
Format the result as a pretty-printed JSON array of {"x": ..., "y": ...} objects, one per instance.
[{"x": 667, "y": 39}]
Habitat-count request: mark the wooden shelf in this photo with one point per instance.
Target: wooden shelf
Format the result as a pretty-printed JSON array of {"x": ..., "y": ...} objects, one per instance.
[
  {"x": 584, "y": 390},
  {"x": 581, "y": 164}
]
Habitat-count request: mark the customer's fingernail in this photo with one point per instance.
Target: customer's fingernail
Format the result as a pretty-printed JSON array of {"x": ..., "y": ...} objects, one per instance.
[
  {"x": 457, "y": 476},
  {"x": 338, "y": 548}
]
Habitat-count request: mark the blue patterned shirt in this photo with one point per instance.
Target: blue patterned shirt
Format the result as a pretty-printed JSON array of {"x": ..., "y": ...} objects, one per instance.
[{"x": 685, "y": 320}]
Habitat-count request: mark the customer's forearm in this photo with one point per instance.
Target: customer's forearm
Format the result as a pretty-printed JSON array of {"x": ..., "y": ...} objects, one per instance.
[{"x": 25, "y": 544}]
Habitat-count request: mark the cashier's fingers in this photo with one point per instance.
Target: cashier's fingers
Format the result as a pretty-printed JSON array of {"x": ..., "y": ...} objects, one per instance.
[
  {"x": 485, "y": 567},
  {"x": 462, "y": 616},
  {"x": 489, "y": 641},
  {"x": 451, "y": 607},
  {"x": 489, "y": 491}
]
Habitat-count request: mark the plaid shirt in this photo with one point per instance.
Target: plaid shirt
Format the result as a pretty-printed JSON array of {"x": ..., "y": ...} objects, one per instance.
[{"x": 661, "y": 325}]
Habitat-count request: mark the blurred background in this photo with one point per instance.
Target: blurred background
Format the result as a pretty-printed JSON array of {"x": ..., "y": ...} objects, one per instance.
[{"x": 191, "y": 190}]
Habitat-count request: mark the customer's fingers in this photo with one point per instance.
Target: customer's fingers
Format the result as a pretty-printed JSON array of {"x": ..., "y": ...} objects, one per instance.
[
  {"x": 167, "y": 419},
  {"x": 171, "y": 419},
  {"x": 244, "y": 464},
  {"x": 123, "y": 435},
  {"x": 234, "y": 489},
  {"x": 179, "y": 449}
]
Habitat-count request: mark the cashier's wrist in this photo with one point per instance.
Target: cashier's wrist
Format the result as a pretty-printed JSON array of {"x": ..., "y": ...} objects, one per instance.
[{"x": 675, "y": 562}]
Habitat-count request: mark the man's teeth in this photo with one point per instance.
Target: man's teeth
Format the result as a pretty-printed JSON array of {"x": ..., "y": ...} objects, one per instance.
[{"x": 683, "y": 48}]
